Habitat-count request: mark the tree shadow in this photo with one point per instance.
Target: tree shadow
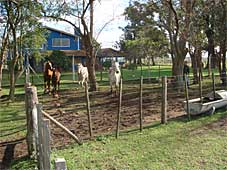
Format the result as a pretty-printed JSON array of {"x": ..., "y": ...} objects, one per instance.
[{"x": 8, "y": 156}]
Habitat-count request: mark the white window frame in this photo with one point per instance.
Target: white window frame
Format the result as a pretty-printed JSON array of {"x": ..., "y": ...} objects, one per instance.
[{"x": 61, "y": 45}]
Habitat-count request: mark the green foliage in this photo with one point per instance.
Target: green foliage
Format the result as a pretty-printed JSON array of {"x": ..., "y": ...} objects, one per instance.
[
  {"x": 132, "y": 66},
  {"x": 107, "y": 64},
  {"x": 142, "y": 37},
  {"x": 59, "y": 59}
]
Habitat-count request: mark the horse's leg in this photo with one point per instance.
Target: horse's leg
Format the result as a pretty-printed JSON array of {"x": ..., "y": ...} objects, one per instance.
[
  {"x": 82, "y": 84},
  {"x": 45, "y": 84},
  {"x": 58, "y": 85},
  {"x": 48, "y": 83}
]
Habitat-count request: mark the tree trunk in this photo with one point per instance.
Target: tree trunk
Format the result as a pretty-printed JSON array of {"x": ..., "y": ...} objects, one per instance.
[
  {"x": 3, "y": 52},
  {"x": 91, "y": 72},
  {"x": 194, "y": 67},
  {"x": 153, "y": 61},
  {"x": 199, "y": 61},
  {"x": 177, "y": 69},
  {"x": 12, "y": 82},
  {"x": 12, "y": 66}
]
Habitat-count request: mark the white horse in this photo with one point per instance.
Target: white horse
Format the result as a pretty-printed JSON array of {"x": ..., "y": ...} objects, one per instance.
[
  {"x": 82, "y": 74},
  {"x": 114, "y": 76}
]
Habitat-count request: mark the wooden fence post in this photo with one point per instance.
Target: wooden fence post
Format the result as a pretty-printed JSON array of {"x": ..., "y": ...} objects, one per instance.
[
  {"x": 40, "y": 148},
  {"x": 164, "y": 101},
  {"x": 187, "y": 98},
  {"x": 88, "y": 109},
  {"x": 46, "y": 144},
  {"x": 119, "y": 109},
  {"x": 200, "y": 88},
  {"x": 141, "y": 103},
  {"x": 44, "y": 140},
  {"x": 213, "y": 85},
  {"x": 31, "y": 100},
  {"x": 159, "y": 71},
  {"x": 101, "y": 75}
]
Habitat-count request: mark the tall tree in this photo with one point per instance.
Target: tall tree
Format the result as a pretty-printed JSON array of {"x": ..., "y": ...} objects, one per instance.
[
  {"x": 143, "y": 38},
  {"x": 76, "y": 13},
  {"x": 4, "y": 25},
  {"x": 21, "y": 16}
]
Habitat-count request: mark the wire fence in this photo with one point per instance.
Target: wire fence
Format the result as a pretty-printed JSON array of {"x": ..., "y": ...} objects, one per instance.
[{"x": 136, "y": 106}]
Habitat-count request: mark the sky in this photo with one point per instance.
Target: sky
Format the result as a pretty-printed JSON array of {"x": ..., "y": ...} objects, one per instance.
[{"x": 104, "y": 11}]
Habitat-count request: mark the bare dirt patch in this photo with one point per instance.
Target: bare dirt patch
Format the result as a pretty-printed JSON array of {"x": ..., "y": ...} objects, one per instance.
[{"x": 70, "y": 110}]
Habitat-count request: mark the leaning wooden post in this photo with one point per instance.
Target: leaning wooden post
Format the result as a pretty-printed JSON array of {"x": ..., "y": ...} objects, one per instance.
[
  {"x": 88, "y": 109},
  {"x": 187, "y": 98},
  {"x": 213, "y": 85},
  {"x": 62, "y": 127},
  {"x": 119, "y": 109},
  {"x": 31, "y": 100},
  {"x": 200, "y": 88},
  {"x": 141, "y": 103},
  {"x": 164, "y": 101}
]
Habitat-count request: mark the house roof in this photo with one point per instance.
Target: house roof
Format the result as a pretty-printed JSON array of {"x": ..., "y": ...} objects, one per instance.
[
  {"x": 109, "y": 52},
  {"x": 63, "y": 32},
  {"x": 76, "y": 53}
]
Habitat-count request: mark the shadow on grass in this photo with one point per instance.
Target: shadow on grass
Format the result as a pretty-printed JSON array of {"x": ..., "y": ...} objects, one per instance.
[
  {"x": 8, "y": 132},
  {"x": 9, "y": 152}
]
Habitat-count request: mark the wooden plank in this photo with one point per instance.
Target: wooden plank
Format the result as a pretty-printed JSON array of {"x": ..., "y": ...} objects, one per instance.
[{"x": 62, "y": 127}]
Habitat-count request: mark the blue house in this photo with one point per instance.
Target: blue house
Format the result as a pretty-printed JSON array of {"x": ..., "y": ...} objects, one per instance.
[
  {"x": 61, "y": 40},
  {"x": 66, "y": 42}
]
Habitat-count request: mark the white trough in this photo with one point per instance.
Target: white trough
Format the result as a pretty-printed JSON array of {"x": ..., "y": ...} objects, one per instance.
[{"x": 208, "y": 104}]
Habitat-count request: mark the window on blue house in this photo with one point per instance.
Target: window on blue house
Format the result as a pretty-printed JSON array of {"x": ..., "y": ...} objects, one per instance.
[{"x": 60, "y": 42}]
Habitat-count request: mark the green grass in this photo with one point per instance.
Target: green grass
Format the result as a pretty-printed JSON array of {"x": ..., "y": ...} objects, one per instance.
[
  {"x": 163, "y": 147},
  {"x": 12, "y": 120},
  {"x": 178, "y": 145},
  {"x": 194, "y": 145}
]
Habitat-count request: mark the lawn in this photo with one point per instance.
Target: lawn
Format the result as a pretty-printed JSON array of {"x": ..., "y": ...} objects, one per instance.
[
  {"x": 198, "y": 144},
  {"x": 153, "y": 71}
]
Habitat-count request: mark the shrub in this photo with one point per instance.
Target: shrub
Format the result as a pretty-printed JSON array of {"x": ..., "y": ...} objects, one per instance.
[{"x": 107, "y": 64}]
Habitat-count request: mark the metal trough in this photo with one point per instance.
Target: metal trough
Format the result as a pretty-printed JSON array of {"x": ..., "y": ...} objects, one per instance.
[{"x": 208, "y": 104}]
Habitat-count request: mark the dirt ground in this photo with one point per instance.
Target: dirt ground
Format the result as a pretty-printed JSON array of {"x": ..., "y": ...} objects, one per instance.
[{"x": 70, "y": 110}]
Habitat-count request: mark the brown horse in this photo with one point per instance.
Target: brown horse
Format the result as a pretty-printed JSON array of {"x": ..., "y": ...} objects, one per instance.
[
  {"x": 47, "y": 74},
  {"x": 56, "y": 80}
]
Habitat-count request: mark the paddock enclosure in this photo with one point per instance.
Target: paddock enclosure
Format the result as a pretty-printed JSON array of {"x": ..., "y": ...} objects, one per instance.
[{"x": 70, "y": 108}]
